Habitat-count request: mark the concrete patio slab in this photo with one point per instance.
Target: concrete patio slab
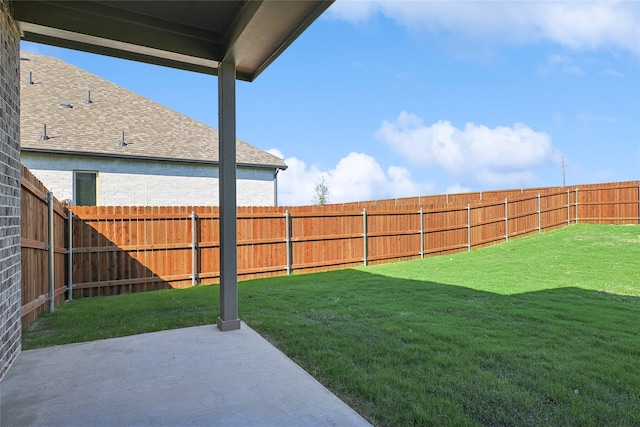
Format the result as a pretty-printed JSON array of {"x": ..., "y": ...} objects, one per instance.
[{"x": 183, "y": 377}]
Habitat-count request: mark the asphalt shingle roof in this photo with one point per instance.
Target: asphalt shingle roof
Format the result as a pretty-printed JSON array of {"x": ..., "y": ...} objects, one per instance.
[{"x": 150, "y": 129}]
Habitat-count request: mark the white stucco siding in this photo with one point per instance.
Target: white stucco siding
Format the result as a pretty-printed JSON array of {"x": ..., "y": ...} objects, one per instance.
[
  {"x": 150, "y": 183},
  {"x": 255, "y": 193},
  {"x": 156, "y": 190}
]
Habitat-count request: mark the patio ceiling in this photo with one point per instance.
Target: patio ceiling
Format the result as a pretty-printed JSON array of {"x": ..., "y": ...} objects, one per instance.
[{"x": 189, "y": 35}]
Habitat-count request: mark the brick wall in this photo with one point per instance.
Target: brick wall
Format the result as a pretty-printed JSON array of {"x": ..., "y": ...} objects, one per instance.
[
  {"x": 146, "y": 183},
  {"x": 10, "y": 268}
]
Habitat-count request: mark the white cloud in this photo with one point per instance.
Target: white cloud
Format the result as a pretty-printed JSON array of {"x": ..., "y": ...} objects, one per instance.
[
  {"x": 498, "y": 156},
  {"x": 609, "y": 72},
  {"x": 559, "y": 63},
  {"x": 276, "y": 153},
  {"x": 356, "y": 177},
  {"x": 354, "y": 11},
  {"x": 296, "y": 184},
  {"x": 588, "y": 117},
  {"x": 578, "y": 25}
]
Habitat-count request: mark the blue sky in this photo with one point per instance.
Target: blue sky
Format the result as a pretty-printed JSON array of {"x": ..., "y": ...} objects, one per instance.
[{"x": 388, "y": 99}]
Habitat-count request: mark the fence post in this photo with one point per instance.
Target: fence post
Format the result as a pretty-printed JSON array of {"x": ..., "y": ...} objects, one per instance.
[
  {"x": 568, "y": 207},
  {"x": 506, "y": 220},
  {"x": 194, "y": 250},
  {"x": 421, "y": 234},
  {"x": 287, "y": 239},
  {"x": 364, "y": 235},
  {"x": 576, "y": 205},
  {"x": 51, "y": 248},
  {"x": 638, "y": 203},
  {"x": 468, "y": 227},
  {"x": 539, "y": 219},
  {"x": 70, "y": 255}
]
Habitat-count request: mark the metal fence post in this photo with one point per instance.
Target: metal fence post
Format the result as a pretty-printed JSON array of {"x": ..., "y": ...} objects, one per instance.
[
  {"x": 576, "y": 205},
  {"x": 364, "y": 235},
  {"x": 287, "y": 239},
  {"x": 506, "y": 220},
  {"x": 194, "y": 250},
  {"x": 421, "y": 234},
  {"x": 539, "y": 219},
  {"x": 51, "y": 248},
  {"x": 568, "y": 207},
  {"x": 70, "y": 256},
  {"x": 468, "y": 227}
]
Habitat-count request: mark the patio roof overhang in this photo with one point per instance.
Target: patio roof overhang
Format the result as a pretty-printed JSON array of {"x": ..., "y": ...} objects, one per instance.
[
  {"x": 189, "y": 35},
  {"x": 230, "y": 39}
]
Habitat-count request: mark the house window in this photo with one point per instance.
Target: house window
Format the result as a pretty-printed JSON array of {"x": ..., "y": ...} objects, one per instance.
[{"x": 85, "y": 188}]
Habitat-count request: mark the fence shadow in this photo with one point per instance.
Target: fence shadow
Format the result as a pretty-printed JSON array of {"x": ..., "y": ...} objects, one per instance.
[
  {"x": 102, "y": 267},
  {"x": 496, "y": 358},
  {"x": 101, "y": 264}
]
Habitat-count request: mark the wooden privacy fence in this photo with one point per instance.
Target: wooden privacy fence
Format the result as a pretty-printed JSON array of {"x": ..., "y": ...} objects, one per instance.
[
  {"x": 110, "y": 250},
  {"x": 43, "y": 248},
  {"x": 125, "y": 249}
]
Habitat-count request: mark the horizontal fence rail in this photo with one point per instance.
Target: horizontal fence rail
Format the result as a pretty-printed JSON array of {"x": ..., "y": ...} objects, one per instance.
[
  {"x": 111, "y": 250},
  {"x": 43, "y": 249}
]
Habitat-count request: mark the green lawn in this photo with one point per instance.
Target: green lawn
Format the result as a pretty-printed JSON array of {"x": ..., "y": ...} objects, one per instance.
[{"x": 542, "y": 330}]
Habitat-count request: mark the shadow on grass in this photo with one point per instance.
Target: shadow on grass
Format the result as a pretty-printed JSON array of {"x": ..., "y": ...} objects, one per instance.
[{"x": 407, "y": 352}]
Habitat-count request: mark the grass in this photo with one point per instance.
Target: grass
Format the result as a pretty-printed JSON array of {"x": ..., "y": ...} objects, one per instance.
[{"x": 542, "y": 330}]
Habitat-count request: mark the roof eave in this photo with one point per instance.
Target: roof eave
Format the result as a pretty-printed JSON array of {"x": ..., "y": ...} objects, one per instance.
[
  {"x": 144, "y": 158},
  {"x": 163, "y": 33}
]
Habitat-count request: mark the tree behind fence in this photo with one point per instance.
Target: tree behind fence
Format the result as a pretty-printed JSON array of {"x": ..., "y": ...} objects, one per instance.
[{"x": 129, "y": 249}]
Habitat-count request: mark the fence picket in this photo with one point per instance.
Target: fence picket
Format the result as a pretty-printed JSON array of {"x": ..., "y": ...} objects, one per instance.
[{"x": 123, "y": 249}]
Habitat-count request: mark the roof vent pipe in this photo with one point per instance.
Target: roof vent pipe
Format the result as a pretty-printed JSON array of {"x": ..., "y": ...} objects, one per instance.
[
  {"x": 122, "y": 143},
  {"x": 89, "y": 101},
  {"x": 44, "y": 136},
  {"x": 30, "y": 77}
]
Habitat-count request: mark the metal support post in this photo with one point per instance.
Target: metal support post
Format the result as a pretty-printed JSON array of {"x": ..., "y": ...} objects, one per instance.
[
  {"x": 568, "y": 207},
  {"x": 51, "y": 248},
  {"x": 576, "y": 205},
  {"x": 287, "y": 226},
  {"x": 275, "y": 188},
  {"x": 228, "y": 319},
  {"x": 364, "y": 235},
  {"x": 539, "y": 214},
  {"x": 194, "y": 249},
  {"x": 468, "y": 227},
  {"x": 421, "y": 234},
  {"x": 506, "y": 220},
  {"x": 70, "y": 256}
]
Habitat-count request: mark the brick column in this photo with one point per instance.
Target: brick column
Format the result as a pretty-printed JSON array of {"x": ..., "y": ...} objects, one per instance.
[{"x": 10, "y": 266}]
